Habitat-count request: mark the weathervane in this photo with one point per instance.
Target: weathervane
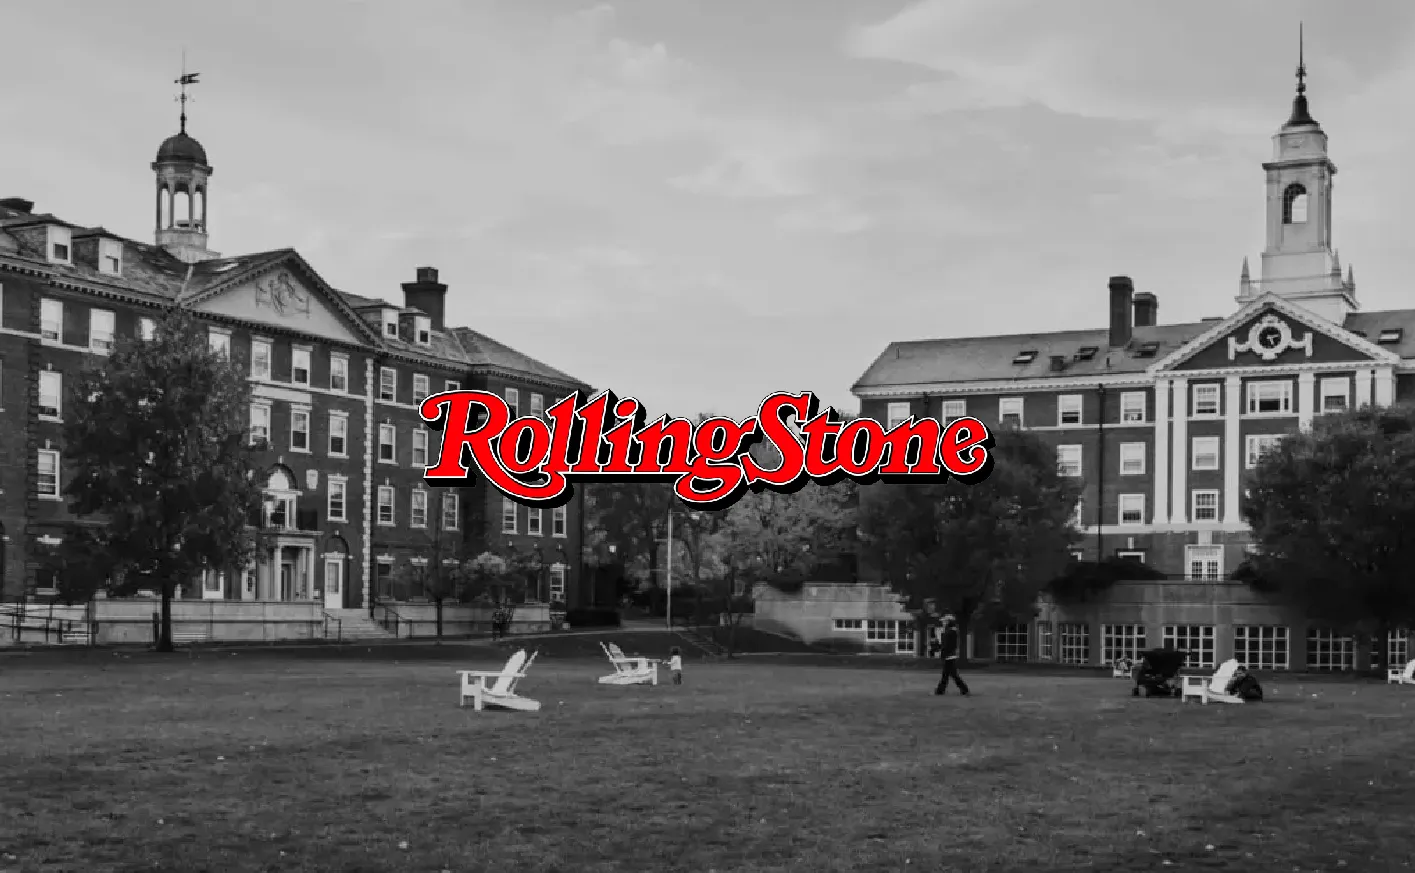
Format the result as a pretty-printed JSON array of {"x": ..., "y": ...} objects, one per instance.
[
  {"x": 183, "y": 82},
  {"x": 1301, "y": 62}
]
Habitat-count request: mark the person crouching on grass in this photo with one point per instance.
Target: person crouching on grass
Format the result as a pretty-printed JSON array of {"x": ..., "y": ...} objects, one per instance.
[
  {"x": 948, "y": 649},
  {"x": 675, "y": 663}
]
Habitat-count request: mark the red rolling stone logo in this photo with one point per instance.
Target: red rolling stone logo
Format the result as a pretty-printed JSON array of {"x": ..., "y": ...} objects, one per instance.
[{"x": 534, "y": 460}]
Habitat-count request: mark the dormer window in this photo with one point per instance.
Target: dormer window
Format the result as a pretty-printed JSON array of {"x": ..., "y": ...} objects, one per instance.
[
  {"x": 422, "y": 330},
  {"x": 59, "y": 244},
  {"x": 390, "y": 323},
  {"x": 1391, "y": 335},
  {"x": 110, "y": 257},
  {"x": 1087, "y": 353},
  {"x": 1026, "y": 357},
  {"x": 1147, "y": 350}
]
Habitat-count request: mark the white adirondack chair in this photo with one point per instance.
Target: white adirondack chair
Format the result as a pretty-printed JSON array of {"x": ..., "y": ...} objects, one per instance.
[
  {"x": 502, "y": 693},
  {"x": 1215, "y": 688},
  {"x": 627, "y": 670},
  {"x": 1121, "y": 668},
  {"x": 1397, "y": 676}
]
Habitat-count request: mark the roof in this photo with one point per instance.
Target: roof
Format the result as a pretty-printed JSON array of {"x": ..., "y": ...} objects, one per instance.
[
  {"x": 483, "y": 351},
  {"x": 181, "y": 148}
]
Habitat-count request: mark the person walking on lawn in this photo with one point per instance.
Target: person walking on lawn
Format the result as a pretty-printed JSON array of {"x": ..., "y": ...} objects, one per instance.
[{"x": 949, "y": 652}]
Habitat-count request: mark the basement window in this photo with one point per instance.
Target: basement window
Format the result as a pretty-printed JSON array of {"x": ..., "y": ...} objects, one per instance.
[
  {"x": 1391, "y": 335},
  {"x": 1087, "y": 353},
  {"x": 1026, "y": 357}
]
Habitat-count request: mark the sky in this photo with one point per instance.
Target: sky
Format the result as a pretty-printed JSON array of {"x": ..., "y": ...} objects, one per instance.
[{"x": 700, "y": 203}]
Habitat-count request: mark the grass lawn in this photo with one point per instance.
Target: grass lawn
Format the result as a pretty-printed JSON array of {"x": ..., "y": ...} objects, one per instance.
[{"x": 239, "y": 762}]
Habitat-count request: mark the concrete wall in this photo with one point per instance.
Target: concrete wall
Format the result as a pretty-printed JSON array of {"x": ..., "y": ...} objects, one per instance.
[
  {"x": 420, "y": 619},
  {"x": 130, "y": 620}
]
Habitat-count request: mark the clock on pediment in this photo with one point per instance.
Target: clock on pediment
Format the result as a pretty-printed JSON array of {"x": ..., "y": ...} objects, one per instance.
[{"x": 1269, "y": 337}]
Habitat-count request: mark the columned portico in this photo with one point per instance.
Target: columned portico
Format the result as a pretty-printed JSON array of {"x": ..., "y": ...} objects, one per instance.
[
  {"x": 1179, "y": 509},
  {"x": 1306, "y": 399},
  {"x": 1385, "y": 386},
  {"x": 1232, "y": 447},
  {"x": 1363, "y": 388},
  {"x": 286, "y": 571}
]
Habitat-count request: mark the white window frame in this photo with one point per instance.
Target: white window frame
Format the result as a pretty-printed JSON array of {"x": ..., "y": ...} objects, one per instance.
[
  {"x": 513, "y": 402},
  {"x": 1011, "y": 643},
  {"x": 420, "y": 435},
  {"x": 952, "y": 410},
  {"x": 422, "y": 387},
  {"x": 1194, "y": 498},
  {"x": 147, "y": 329},
  {"x": 298, "y": 414},
  {"x": 881, "y": 630},
  {"x": 1130, "y": 555},
  {"x": 417, "y": 508},
  {"x": 218, "y": 339},
  {"x": 1330, "y": 650},
  {"x": 1120, "y": 641},
  {"x": 51, "y": 457},
  {"x": 339, "y": 371},
  {"x": 1068, "y": 461},
  {"x": 57, "y": 237},
  {"x": 1209, "y": 560},
  {"x": 301, "y": 358},
  {"x": 897, "y": 413},
  {"x": 422, "y": 330},
  {"x": 1281, "y": 388},
  {"x": 51, "y": 395},
  {"x": 451, "y": 510},
  {"x": 1133, "y": 407},
  {"x": 1073, "y": 643},
  {"x": 508, "y": 516},
  {"x": 258, "y": 370},
  {"x": 557, "y": 582},
  {"x": 110, "y": 250},
  {"x": 537, "y": 405},
  {"x": 1339, "y": 386},
  {"x": 1130, "y": 503},
  {"x": 1205, "y": 394},
  {"x": 338, "y": 421},
  {"x": 1257, "y": 646},
  {"x": 1195, "y": 452},
  {"x": 558, "y": 522},
  {"x": 260, "y": 421},
  {"x": 1068, "y": 410},
  {"x": 391, "y": 432},
  {"x": 1258, "y": 444},
  {"x": 452, "y": 385},
  {"x": 387, "y": 384},
  {"x": 100, "y": 336},
  {"x": 338, "y": 500},
  {"x": 387, "y": 516},
  {"x": 1010, "y": 407},
  {"x": 535, "y": 522},
  {"x": 1195, "y": 639},
  {"x": 390, "y": 323},
  {"x": 1132, "y": 459},
  {"x": 848, "y": 624},
  {"x": 1046, "y": 641},
  {"x": 51, "y": 319}
]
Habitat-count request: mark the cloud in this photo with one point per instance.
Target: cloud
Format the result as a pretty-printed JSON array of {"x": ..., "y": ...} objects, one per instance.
[
  {"x": 743, "y": 174},
  {"x": 829, "y": 217}
]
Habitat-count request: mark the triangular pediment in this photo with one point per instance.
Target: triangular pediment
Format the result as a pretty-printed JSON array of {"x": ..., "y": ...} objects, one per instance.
[
  {"x": 289, "y": 296},
  {"x": 1272, "y": 332}
]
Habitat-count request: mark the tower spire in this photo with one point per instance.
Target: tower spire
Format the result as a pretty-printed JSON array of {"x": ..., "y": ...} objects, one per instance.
[
  {"x": 1301, "y": 60},
  {"x": 185, "y": 80},
  {"x": 1300, "y": 114}
]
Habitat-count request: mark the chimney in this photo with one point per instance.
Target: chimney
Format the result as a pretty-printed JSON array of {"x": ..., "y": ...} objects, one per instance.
[
  {"x": 1146, "y": 309},
  {"x": 19, "y": 204},
  {"x": 427, "y": 294},
  {"x": 1122, "y": 292}
]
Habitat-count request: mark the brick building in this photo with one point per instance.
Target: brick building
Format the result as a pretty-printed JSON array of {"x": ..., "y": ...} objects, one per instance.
[
  {"x": 335, "y": 378},
  {"x": 1162, "y": 422}
]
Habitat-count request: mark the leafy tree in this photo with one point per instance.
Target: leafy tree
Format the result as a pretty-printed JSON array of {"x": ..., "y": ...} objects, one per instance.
[
  {"x": 443, "y": 574},
  {"x": 1082, "y": 580},
  {"x": 1331, "y": 510},
  {"x": 990, "y": 546},
  {"x": 632, "y": 517},
  {"x": 497, "y": 579},
  {"x": 156, "y": 439}
]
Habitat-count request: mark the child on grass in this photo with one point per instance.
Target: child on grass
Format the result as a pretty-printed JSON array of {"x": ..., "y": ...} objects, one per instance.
[{"x": 675, "y": 663}]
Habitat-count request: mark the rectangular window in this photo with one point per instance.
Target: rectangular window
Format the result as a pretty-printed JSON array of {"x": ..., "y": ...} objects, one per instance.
[
  {"x": 1270, "y": 398},
  {"x": 1068, "y": 460},
  {"x": 300, "y": 430},
  {"x": 848, "y": 624},
  {"x": 953, "y": 409},
  {"x": 1328, "y": 650},
  {"x": 420, "y": 447},
  {"x": 896, "y": 414},
  {"x": 260, "y": 359},
  {"x": 557, "y": 521},
  {"x": 387, "y": 384},
  {"x": 557, "y": 583},
  {"x": 338, "y": 435},
  {"x": 260, "y": 423},
  {"x": 385, "y": 505},
  {"x": 51, "y": 393},
  {"x": 51, "y": 320},
  {"x": 513, "y": 401},
  {"x": 1397, "y": 648},
  {"x": 100, "y": 330},
  {"x": 1260, "y": 647},
  {"x": 390, "y": 323},
  {"x": 451, "y": 511},
  {"x": 1068, "y": 409},
  {"x": 300, "y": 366},
  {"x": 1336, "y": 395},
  {"x": 219, "y": 339},
  {"x": 1075, "y": 643},
  {"x": 338, "y": 498},
  {"x": 1204, "y": 505},
  {"x": 422, "y": 330},
  {"x": 1132, "y": 509},
  {"x": 1132, "y": 407},
  {"x": 339, "y": 373},
  {"x": 1119, "y": 641},
  {"x": 147, "y": 329},
  {"x": 387, "y": 444},
  {"x": 537, "y": 405},
  {"x": 881, "y": 631},
  {"x": 1205, "y": 400},
  {"x": 1132, "y": 459},
  {"x": 60, "y": 239},
  {"x": 533, "y": 522},
  {"x": 1045, "y": 650},
  {"x": 1203, "y": 453},
  {"x": 508, "y": 515},
  {"x": 1203, "y": 562},
  {"x": 420, "y": 387},
  {"x": 1010, "y": 642},
  {"x": 1196, "y": 640},
  {"x": 1259, "y": 445},
  {"x": 48, "y": 473},
  {"x": 1009, "y": 411},
  {"x": 453, "y": 385},
  {"x": 417, "y": 512},
  {"x": 110, "y": 257}
]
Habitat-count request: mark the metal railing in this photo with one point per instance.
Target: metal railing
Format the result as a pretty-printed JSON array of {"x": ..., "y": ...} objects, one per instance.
[
  {"x": 389, "y": 620},
  {"x": 25, "y": 621},
  {"x": 338, "y": 626}
]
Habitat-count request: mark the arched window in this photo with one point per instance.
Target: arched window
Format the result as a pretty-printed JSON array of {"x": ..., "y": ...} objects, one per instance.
[
  {"x": 1294, "y": 204},
  {"x": 280, "y": 500}
]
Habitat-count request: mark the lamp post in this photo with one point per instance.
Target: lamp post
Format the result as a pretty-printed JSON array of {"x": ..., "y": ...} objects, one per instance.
[{"x": 668, "y": 609}]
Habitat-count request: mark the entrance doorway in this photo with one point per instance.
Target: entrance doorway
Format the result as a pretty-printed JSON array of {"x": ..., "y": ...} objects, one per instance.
[
  {"x": 333, "y": 583},
  {"x": 287, "y": 580}
]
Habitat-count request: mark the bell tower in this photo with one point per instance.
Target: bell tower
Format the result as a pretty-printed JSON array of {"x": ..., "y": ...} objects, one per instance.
[
  {"x": 181, "y": 174},
  {"x": 1299, "y": 262}
]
